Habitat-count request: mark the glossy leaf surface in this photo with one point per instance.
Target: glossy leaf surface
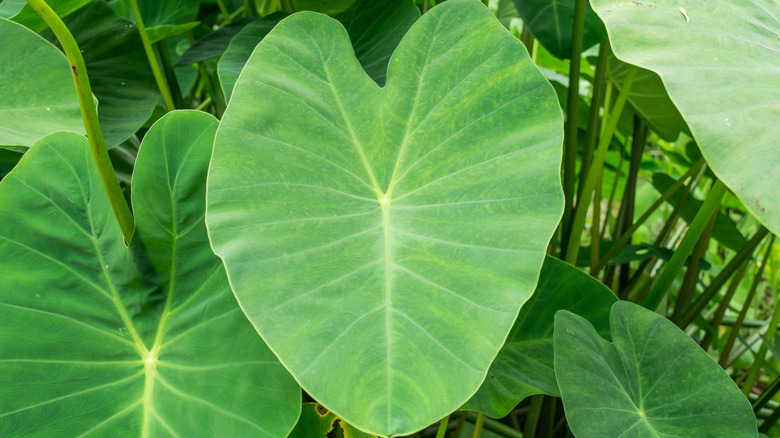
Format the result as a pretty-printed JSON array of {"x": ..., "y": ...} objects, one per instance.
[
  {"x": 551, "y": 23},
  {"x": 117, "y": 67},
  {"x": 652, "y": 380},
  {"x": 38, "y": 95},
  {"x": 719, "y": 62},
  {"x": 524, "y": 366},
  {"x": 384, "y": 239},
  {"x": 101, "y": 340}
]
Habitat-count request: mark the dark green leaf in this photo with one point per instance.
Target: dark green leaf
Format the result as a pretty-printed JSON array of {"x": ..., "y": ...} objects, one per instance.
[
  {"x": 551, "y": 23},
  {"x": 213, "y": 44}
]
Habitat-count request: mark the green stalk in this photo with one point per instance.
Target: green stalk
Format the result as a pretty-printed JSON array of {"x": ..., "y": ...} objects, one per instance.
[
  {"x": 224, "y": 11},
  {"x": 767, "y": 425},
  {"x": 250, "y": 8},
  {"x": 595, "y": 235},
  {"x": 426, "y": 6},
  {"x": 478, "y": 425},
  {"x": 724, "y": 354},
  {"x": 578, "y": 225},
  {"x": 625, "y": 237},
  {"x": 532, "y": 417},
  {"x": 443, "y": 427},
  {"x": 752, "y": 374},
  {"x": 89, "y": 113},
  {"x": 673, "y": 266},
  {"x": 170, "y": 75},
  {"x": 459, "y": 426},
  {"x": 592, "y": 134},
  {"x": 527, "y": 38},
  {"x": 688, "y": 287},
  {"x": 612, "y": 192},
  {"x": 287, "y": 6},
  {"x": 570, "y": 149},
  {"x": 767, "y": 395},
  {"x": 717, "y": 318},
  {"x": 495, "y": 426},
  {"x": 709, "y": 293},
  {"x": 158, "y": 77}
]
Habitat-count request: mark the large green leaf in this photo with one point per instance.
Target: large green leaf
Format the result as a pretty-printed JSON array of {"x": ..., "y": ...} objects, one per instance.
[
  {"x": 101, "y": 340},
  {"x": 118, "y": 70},
  {"x": 551, "y": 23},
  {"x": 38, "y": 95},
  {"x": 652, "y": 380},
  {"x": 524, "y": 366},
  {"x": 9, "y": 8},
  {"x": 375, "y": 28},
  {"x": 160, "y": 12},
  {"x": 719, "y": 62},
  {"x": 382, "y": 240}
]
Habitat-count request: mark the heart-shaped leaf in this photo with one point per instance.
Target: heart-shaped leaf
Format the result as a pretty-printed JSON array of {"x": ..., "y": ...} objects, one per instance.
[
  {"x": 524, "y": 366},
  {"x": 718, "y": 60},
  {"x": 382, "y": 240},
  {"x": 652, "y": 380},
  {"x": 101, "y": 340},
  {"x": 38, "y": 95}
]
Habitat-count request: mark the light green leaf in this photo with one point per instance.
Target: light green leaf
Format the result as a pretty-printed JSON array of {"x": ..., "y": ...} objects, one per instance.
[
  {"x": 38, "y": 95},
  {"x": 720, "y": 67},
  {"x": 382, "y": 240},
  {"x": 524, "y": 366},
  {"x": 551, "y": 23},
  {"x": 652, "y": 380},
  {"x": 375, "y": 28},
  {"x": 101, "y": 340},
  {"x": 118, "y": 70},
  {"x": 9, "y": 8},
  {"x": 241, "y": 47},
  {"x": 29, "y": 18}
]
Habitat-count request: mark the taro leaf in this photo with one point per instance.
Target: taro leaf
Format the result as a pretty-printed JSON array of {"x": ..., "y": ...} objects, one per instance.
[
  {"x": 719, "y": 62},
  {"x": 29, "y": 18},
  {"x": 551, "y": 23},
  {"x": 213, "y": 44},
  {"x": 375, "y": 28},
  {"x": 118, "y": 70},
  {"x": 330, "y": 7},
  {"x": 524, "y": 366},
  {"x": 649, "y": 100},
  {"x": 160, "y": 12},
  {"x": 384, "y": 239},
  {"x": 724, "y": 231},
  {"x": 91, "y": 343},
  {"x": 241, "y": 47},
  {"x": 315, "y": 422},
  {"x": 9, "y": 8},
  {"x": 652, "y": 380},
  {"x": 38, "y": 95},
  {"x": 159, "y": 33}
]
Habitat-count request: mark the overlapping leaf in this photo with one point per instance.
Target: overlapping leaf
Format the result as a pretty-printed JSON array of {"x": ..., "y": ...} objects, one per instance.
[
  {"x": 719, "y": 62},
  {"x": 383, "y": 239},
  {"x": 38, "y": 95},
  {"x": 101, "y": 340},
  {"x": 524, "y": 366},
  {"x": 652, "y": 380},
  {"x": 551, "y": 23}
]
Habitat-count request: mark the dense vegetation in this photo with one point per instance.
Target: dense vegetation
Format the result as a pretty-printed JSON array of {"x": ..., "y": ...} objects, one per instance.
[{"x": 353, "y": 218}]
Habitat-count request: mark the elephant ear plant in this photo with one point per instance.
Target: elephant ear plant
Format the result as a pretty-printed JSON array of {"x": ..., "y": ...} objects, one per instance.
[{"x": 364, "y": 224}]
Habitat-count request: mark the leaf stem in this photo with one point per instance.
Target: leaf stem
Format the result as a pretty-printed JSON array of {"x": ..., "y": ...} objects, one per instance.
[
  {"x": 724, "y": 354},
  {"x": 443, "y": 427},
  {"x": 170, "y": 75},
  {"x": 223, "y": 10},
  {"x": 592, "y": 134},
  {"x": 89, "y": 113},
  {"x": 158, "y": 77},
  {"x": 478, "y": 425},
  {"x": 578, "y": 225},
  {"x": 626, "y": 236},
  {"x": 673, "y": 266},
  {"x": 287, "y": 6},
  {"x": 570, "y": 149}
]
